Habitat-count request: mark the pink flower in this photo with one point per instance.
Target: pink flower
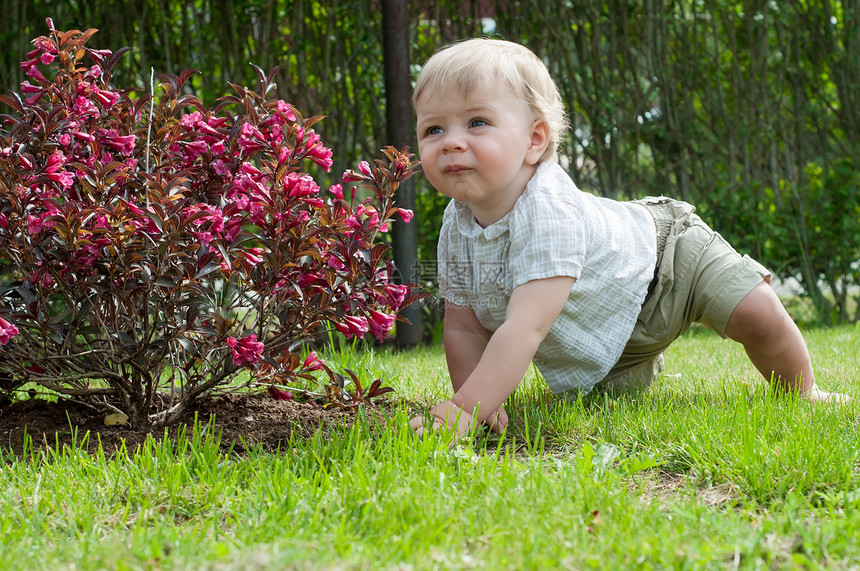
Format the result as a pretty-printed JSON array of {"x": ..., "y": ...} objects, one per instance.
[
  {"x": 257, "y": 214},
  {"x": 337, "y": 191},
  {"x": 7, "y": 331},
  {"x": 335, "y": 263},
  {"x": 284, "y": 153},
  {"x": 286, "y": 110},
  {"x": 65, "y": 178},
  {"x": 276, "y": 134},
  {"x": 36, "y": 224},
  {"x": 278, "y": 394},
  {"x": 204, "y": 238},
  {"x": 393, "y": 295},
  {"x": 83, "y": 135},
  {"x": 41, "y": 277},
  {"x": 25, "y": 162},
  {"x": 246, "y": 350},
  {"x": 190, "y": 120},
  {"x": 349, "y": 175},
  {"x": 194, "y": 149},
  {"x": 313, "y": 362},
  {"x": 106, "y": 98},
  {"x": 36, "y": 74},
  {"x": 352, "y": 223},
  {"x": 101, "y": 222},
  {"x": 244, "y": 183},
  {"x": 142, "y": 221},
  {"x": 85, "y": 107},
  {"x": 253, "y": 172},
  {"x": 26, "y": 87},
  {"x": 47, "y": 59},
  {"x": 251, "y": 139},
  {"x": 309, "y": 279},
  {"x": 34, "y": 98},
  {"x": 364, "y": 168},
  {"x": 216, "y": 122},
  {"x": 297, "y": 185},
  {"x": 321, "y": 156},
  {"x": 113, "y": 140},
  {"x": 221, "y": 168},
  {"x": 372, "y": 216},
  {"x": 53, "y": 170},
  {"x": 55, "y": 161},
  {"x": 254, "y": 255},
  {"x": 100, "y": 55},
  {"x": 405, "y": 214},
  {"x": 27, "y": 64},
  {"x": 232, "y": 228},
  {"x": 380, "y": 324},
  {"x": 353, "y": 326},
  {"x": 203, "y": 214},
  {"x": 315, "y": 202}
]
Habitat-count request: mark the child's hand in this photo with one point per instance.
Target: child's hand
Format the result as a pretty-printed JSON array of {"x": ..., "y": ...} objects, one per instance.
[
  {"x": 446, "y": 416},
  {"x": 498, "y": 420}
]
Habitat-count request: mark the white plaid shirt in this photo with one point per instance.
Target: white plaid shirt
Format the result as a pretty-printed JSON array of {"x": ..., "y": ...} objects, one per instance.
[{"x": 555, "y": 229}]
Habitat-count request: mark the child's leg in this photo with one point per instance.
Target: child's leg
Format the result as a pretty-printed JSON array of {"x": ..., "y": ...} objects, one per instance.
[
  {"x": 772, "y": 340},
  {"x": 700, "y": 279}
]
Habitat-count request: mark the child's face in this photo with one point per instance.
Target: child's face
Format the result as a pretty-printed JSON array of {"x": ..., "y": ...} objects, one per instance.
[{"x": 481, "y": 148}]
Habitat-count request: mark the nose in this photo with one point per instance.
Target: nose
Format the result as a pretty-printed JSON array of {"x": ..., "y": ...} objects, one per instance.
[{"x": 454, "y": 141}]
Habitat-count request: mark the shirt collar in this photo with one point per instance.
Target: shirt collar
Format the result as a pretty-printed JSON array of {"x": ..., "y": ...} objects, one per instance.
[
  {"x": 469, "y": 227},
  {"x": 468, "y": 224}
]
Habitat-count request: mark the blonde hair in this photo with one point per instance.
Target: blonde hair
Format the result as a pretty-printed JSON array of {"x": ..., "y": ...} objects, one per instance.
[{"x": 466, "y": 64}]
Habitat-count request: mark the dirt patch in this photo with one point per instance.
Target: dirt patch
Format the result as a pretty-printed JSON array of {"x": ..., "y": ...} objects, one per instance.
[
  {"x": 665, "y": 487},
  {"x": 242, "y": 419}
]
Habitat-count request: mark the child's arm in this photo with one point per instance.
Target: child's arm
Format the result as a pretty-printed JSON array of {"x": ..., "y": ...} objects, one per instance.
[
  {"x": 505, "y": 358},
  {"x": 465, "y": 340}
]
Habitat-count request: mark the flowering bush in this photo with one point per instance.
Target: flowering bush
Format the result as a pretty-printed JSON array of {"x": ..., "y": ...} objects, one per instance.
[{"x": 151, "y": 250}]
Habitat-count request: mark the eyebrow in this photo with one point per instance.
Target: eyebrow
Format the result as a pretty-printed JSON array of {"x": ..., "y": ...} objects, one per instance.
[{"x": 478, "y": 108}]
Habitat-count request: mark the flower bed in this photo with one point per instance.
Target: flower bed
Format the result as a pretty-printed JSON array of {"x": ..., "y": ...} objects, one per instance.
[{"x": 153, "y": 249}]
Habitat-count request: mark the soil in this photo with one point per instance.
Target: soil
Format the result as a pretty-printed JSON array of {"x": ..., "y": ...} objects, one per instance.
[{"x": 241, "y": 419}]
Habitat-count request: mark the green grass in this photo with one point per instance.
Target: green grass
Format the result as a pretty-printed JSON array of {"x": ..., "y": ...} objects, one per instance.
[{"x": 706, "y": 470}]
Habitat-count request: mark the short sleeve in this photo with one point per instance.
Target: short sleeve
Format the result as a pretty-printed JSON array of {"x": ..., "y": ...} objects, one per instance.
[{"x": 548, "y": 239}]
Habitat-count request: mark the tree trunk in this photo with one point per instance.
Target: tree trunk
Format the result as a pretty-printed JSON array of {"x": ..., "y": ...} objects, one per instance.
[{"x": 399, "y": 125}]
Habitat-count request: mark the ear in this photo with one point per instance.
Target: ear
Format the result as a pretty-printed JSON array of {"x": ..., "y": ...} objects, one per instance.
[{"x": 538, "y": 142}]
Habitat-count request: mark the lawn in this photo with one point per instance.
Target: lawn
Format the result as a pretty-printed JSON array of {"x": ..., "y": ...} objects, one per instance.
[{"x": 707, "y": 470}]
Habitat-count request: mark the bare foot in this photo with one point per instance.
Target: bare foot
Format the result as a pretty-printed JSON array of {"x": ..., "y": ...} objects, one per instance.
[{"x": 814, "y": 394}]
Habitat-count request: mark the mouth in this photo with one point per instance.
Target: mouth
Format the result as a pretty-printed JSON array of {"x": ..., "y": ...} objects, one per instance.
[{"x": 454, "y": 169}]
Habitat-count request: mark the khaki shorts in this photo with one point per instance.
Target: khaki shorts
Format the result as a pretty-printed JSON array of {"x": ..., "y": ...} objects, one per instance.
[{"x": 699, "y": 278}]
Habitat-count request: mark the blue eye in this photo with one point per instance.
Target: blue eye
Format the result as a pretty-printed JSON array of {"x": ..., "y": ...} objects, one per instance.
[
  {"x": 477, "y": 123},
  {"x": 434, "y": 131}
]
